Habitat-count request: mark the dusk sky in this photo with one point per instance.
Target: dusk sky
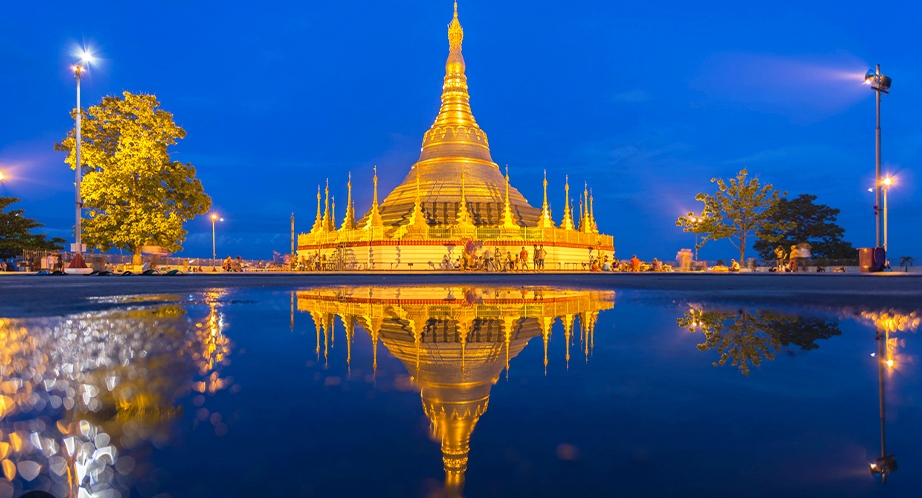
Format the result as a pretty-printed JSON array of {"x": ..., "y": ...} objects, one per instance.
[{"x": 646, "y": 101}]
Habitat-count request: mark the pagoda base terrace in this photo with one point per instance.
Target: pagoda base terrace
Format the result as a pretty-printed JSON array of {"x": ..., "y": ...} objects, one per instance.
[{"x": 406, "y": 249}]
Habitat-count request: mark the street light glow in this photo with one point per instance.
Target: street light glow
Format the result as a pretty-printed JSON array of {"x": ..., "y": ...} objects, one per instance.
[
  {"x": 888, "y": 181},
  {"x": 214, "y": 217}
]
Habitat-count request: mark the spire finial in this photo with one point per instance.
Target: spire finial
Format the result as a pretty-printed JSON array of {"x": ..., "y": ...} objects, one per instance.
[{"x": 455, "y": 32}]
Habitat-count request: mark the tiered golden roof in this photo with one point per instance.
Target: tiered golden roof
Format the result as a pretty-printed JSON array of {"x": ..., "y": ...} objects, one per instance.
[
  {"x": 456, "y": 144},
  {"x": 454, "y": 342}
]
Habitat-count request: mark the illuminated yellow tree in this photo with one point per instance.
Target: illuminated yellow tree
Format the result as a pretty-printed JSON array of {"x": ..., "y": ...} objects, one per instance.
[
  {"x": 740, "y": 207},
  {"x": 134, "y": 194}
]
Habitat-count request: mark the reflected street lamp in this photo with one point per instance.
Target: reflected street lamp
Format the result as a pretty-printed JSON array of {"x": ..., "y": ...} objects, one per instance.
[
  {"x": 214, "y": 252},
  {"x": 79, "y": 69},
  {"x": 880, "y": 84},
  {"x": 886, "y": 463}
]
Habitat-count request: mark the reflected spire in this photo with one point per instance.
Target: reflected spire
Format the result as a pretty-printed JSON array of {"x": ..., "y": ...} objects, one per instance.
[
  {"x": 453, "y": 348},
  {"x": 568, "y": 334}
]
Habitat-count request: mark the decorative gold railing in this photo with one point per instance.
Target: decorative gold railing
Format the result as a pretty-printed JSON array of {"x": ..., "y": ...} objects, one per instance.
[{"x": 454, "y": 233}]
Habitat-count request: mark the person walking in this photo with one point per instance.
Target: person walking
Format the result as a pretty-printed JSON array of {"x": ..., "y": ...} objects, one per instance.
[{"x": 523, "y": 259}]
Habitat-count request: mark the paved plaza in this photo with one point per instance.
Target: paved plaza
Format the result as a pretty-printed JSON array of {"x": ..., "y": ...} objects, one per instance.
[{"x": 33, "y": 295}]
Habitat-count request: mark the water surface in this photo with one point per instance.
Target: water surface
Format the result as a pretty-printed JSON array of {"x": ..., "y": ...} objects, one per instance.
[{"x": 457, "y": 390}]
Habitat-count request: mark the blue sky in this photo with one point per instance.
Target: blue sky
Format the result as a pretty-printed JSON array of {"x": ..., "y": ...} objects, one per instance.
[{"x": 646, "y": 101}]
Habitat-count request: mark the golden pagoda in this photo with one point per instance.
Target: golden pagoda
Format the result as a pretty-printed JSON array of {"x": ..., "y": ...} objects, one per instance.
[
  {"x": 455, "y": 193},
  {"x": 455, "y": 342}
]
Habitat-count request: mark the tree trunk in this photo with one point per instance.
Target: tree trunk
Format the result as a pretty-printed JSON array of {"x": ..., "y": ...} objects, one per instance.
[
  {"x": 136, "y": 257},
  {"x": 742, "y": 250}
]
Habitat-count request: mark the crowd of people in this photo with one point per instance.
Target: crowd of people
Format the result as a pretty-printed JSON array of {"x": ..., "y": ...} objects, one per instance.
[{"x": 794, "y": 260}]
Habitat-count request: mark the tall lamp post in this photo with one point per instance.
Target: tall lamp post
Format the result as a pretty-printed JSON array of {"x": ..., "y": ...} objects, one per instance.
[
  {"x": 214, "y": 252},
  {"x": 79, "y": 69},
  {"x": 886, "y": 187},
  {"x": 695, "y": 221},
  {"x": 880, "y": 84}
]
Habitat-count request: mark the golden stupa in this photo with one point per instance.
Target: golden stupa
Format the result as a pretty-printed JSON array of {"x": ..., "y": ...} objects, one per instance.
[
  {"x": 455, "y": 343},
  {"x": 453, "y": 195}
]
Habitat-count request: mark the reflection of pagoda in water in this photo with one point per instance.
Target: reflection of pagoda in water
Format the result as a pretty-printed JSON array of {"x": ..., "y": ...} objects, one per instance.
[
  {"x": 455, "y": 343},
  {"x": 454, "y": 194}
]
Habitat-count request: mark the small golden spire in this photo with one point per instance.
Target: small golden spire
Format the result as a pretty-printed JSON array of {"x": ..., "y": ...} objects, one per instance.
[
  {"x": 373, "y": 220},
  {"x": 546, "y": 220},
  {"x": 592, "y": 224},
  {"x": 508, "y": 220},
  {"x": 349, "y": 220},
  {"x": 318, "y": 222},
  {"x": 582, "y": 218},
  {"x": 326, "y": 208},
  {"x": 585, "y": 223},
  {"x": 333, "y": 213},
  {"x": 567, "y": 223},
  {"x": 463, "y": 219}
]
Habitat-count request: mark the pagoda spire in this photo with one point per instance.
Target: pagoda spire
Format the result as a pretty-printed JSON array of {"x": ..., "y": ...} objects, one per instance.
[
  {"x": 508, "y": 220},
  {"x": 333, "y": 214},
  {"x": 567, "y": 223},
  {"x": 463, "y": 219},
  {"x": 418, "y": 224},
  {"x": 373, "y": 220},
  {"x": 318, "y": 222},
  {"x": 592, "y": 225},
  {"x": 585, "y": 223},
  {"x": 546, "y": 220},
  {"x": 326, "y": 208},
  {"x": 349, "y": 220}
]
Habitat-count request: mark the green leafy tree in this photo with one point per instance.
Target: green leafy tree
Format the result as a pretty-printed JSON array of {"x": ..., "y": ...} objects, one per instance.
[
  {"x": 135, "y": 195},
  {"x": 744, "y": 338},
  {"x": 16, "y": 232},
  {"x": 738, "y": 209},
  {"x": 809, "y": 222}
]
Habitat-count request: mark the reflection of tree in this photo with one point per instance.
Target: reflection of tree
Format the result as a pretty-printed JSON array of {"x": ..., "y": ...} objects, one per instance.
[{"x": 744, "y": 338}]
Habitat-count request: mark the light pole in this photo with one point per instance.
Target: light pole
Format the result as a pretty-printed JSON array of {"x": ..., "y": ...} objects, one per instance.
[
  {"x": 214, "y": 252},
  {"x": 880, "y": 84},
  {"x": 886, "y": 187},
  {"x": 695, "y": 222},
  {"x": 85, "y": 59}
]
